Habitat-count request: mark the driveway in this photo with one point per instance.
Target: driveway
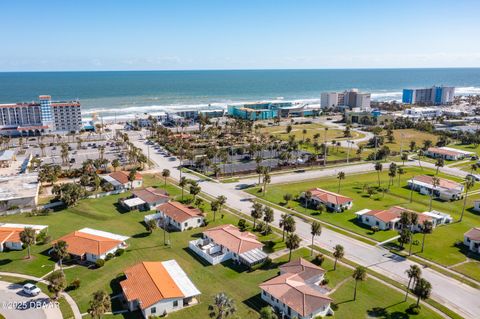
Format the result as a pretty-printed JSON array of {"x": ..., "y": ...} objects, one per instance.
[{"x": 15, "y": 305}]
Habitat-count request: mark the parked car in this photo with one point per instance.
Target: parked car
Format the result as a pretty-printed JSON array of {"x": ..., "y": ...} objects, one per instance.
[
  {"x": 72, "y": 160},
  {"x": 31, "y": 289},
  {"x": 476, "y": 177}
]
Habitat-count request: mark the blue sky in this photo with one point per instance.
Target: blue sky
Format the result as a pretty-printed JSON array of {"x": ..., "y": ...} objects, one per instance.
[{"x": 204, "y": 34}]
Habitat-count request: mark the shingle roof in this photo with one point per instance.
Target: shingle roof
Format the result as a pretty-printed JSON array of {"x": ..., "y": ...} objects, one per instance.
[
  {"x": 444, "y": 183},
  {"x": 150, "y": 194},
  {"x": 232, "y": 238},
  {"x": 473, "y": 234},
  {"x": 292, "y": 288},
  {"x": 387, "y": 215},
  {"x": 329, "y": 197},
  {"x": 179, "y": 212}
]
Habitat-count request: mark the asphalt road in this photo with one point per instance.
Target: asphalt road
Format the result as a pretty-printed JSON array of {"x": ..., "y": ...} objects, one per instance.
[
  {"x": 459, "y": 297},
  {"x": 15, "y": 305}
]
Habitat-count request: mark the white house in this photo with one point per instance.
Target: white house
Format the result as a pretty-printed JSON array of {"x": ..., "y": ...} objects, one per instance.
[
  {"x": 388, "y": 219},
  {"x": 333, "y": 201},
  {"x": 91, "y": 244},
  {"x": 10, "y": 235},
  {"x": 158, "y": 288},
  {"x": 145, "y": 199},
  {"x": 296, "y": 292},
  {"x": 445, "y": 190},
  {"x": 476, "y": 205},
  {"x": 119, "y": 180},
  {"x": 472, "y": 239},
  {"x": 177, "y": 215},
  {"x": 227, "y": 242},
  {"x": 445, "y": 153}
]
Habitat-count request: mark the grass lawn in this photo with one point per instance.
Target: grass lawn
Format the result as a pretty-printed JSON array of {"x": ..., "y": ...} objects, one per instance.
[
  {"x": 440, "y": 245},
  {"x": 405, "y": 136},
  {"x": 470, "y": 269},
  {"x": 466, "y": 147},
  {"x": 312, "y": 129}
]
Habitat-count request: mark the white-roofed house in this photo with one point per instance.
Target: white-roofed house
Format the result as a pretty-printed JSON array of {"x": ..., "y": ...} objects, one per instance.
[{"x": 158, "y": 288}]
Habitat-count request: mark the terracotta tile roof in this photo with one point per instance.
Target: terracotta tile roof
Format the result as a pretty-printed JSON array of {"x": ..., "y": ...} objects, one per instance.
[
  {"x": 232, "y": 238},
  {"x": 179, "y": 212},
  {"x": 303, "y": 268},
  {"x": 150, "y": 194},
  {"x": 329, "y": 197},
  {"x": 444, "y": 183},
  {"x": 149, "y": 283},
  {"x": 122, "y": 176},
  {"x": 387, "y": 215},
  {"x": 293, "y": 290},
  {"x": 443, "y": 151},
  {"x": 473, "y": 234},
  {"x": 80, "y": 243},
  {"x": 10, "y": 234}
]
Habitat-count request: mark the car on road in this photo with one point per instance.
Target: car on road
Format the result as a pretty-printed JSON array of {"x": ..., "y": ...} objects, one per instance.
[
  {"x": 476, "y": 177},
  {"x": 31, "y": 290}
]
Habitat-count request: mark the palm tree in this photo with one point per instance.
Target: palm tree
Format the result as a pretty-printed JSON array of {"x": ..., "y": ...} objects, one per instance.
[
  {"x": 359, "y": 274},
  {"x": 315, "y": 230},
  {"x": 426, "y": 229},
  {"x": 266, "y": 180},
  {"x": 400, "y": 172},
  {"x": 221, "y": 201},
  {"x": 282, "y": 223},
  {"x": 151, "y": 225},
  {"x": 469, "y": 183},
  {"x": 132, "y": 175},
  {"x": 194, "y": 190},
  {"x": 292, "y": 242},
  {"x": 287, "y": 197},
  {"x": 256, "y": 213},
  {"x": 115, "y": 164},
  {"x": 435, "y": 183},
  {"x": 214, "y": 205},
  {"x": 307, "y": 197},
  {"x": 439, "y": 163},
  {"x": 42, "y": 148},
  {"x": 378, "y": 168},
  {"x": 100, "y": 304},
  {"x": 101, "y": 150},
  {"x": 165, "y": 175},
  {"x": 222, "y": 307},
  {"x": 338, "y": 253},
  {"x": 420, "y": 154},
  {"x": 56, "y": 283},
  {"x": 268, "y": 216},
  {"x": 304, "y": 132},
  {"x": 28, "y": 237},
  {"x": 413, "y": 273},
  {"x": 422, "y": 290},
  {"x": 340, "y": 177},
  {"x": 182, "y": 183},
  {"x": 61, "y": 250},
  {"x": 404, "y": 157}
]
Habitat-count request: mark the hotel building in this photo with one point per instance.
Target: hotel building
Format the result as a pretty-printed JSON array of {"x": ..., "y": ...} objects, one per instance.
[
  {"x": 436, "y": 95},
  {"x": 351, "y": 98},
  {"x": 38, "y": 117}
]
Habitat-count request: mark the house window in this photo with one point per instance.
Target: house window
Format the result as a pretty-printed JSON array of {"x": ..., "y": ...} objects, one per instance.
[
  {"x": 271, "y": 297},
  {"x": 377, "y": 223},
  {"x": 175, "y": 303},
  {"x": 186, "y": 224},
  {"x": 153, "y": 310}
]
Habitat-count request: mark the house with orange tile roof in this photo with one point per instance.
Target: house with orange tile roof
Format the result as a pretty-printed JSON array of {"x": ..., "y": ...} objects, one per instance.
[
  {"x": 297, "y": 292},
  {"x": 227, "y": 242},
  {"x": 178, "y": 216},
  {"x": 10, "y": 235},
  {"x": 144, "y": 199},
  {"x": 332, "y": 201},
  {"x": 119, "y": 180},
  {"x": 91, "y": 244},
  {"x": 472, "y": 239},
  {"x": 158, "y": 288},
  {"x": 388, "y": 219},
  {"x": 446, "y": 189}
]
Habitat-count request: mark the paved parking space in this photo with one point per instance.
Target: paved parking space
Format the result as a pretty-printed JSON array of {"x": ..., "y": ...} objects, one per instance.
[{"x": 15, "y": 305}]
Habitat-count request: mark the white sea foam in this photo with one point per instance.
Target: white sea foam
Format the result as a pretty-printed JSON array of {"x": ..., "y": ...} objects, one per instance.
[{"x": 467, "y": 90}]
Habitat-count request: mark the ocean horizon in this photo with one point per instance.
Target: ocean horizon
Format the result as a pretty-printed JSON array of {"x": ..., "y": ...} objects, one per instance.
[{"x": 127, "y": 93}]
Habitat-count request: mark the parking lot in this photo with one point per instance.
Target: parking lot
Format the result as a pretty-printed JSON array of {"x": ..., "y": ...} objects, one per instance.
[{"x": 14, "y": 304}]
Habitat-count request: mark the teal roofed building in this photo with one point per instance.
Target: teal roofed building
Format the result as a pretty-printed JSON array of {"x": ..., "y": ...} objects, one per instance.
[{"x": 267, "y": 110}]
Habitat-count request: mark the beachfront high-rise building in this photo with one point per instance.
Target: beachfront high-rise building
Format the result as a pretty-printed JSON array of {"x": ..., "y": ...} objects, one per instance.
[
  {"x": 44, "y": 116},
  {"x": 436, "y": 95},
  {"x": 351, "y": 98}
]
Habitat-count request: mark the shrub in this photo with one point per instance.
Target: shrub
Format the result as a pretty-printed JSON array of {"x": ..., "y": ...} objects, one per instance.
[
  {"x": 47, "y": 239},
  {"x": 319, "y": 259},
  {"x": 120, "y": 252},
  {"x": 75, "y": 284},
  {"x": 334, "y": 306},
  {"x": 242, "y": 224},
  {"x": 100, "y": 263},
  {"x": 325, "y": 281},
  {"x": 109, "y": 256},
  {"x": 413, "y": 309}
]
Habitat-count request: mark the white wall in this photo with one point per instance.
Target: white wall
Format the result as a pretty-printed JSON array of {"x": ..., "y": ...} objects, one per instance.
[{"x": 164, "y": 305}]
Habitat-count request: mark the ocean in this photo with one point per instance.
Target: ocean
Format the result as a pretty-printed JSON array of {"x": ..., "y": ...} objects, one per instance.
[{"x": 123, "y": 94}]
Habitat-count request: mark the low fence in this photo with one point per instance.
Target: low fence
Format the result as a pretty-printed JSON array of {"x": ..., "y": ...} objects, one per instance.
[{"x": 29, "y": 209}]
